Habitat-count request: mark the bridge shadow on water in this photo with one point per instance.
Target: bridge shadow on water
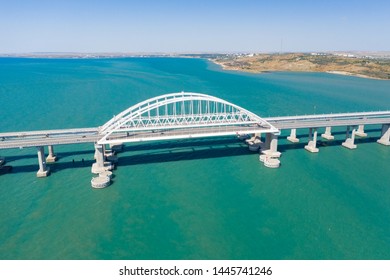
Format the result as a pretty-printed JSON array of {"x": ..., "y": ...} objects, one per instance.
[
  {"x": 144, "y": 153},
  {"x": 334, "y": 132},
  {"x": 54, "y": 167},
  {"x": 188, "y": 154},
  {"x": 183, "y": 144},
  {"x": 170, "y": 151},
  {"x": 324, "y": 143}
]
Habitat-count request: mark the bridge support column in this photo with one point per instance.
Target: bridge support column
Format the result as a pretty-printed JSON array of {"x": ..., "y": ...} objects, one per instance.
[
  {"x": 312, "y": 145},
  {"x": 51, "y": 157},
  {"x": 255, "y": 138},
  {"x": 43, "y": 171},
  {"x": 385, "y": 136},
  {"x": 267, "y": 144},
  {"x": 254, "y": 144},
  {"x": 100, "y": 165},
  {"x": 293, "y": 136},
  {"x": 104, "y": 151},
  {"x": 328, "y": 134},
  {"x": 350, "y": 141},
  {"x": 271, "y": 145},
  {"x": 360, "y": 132}
]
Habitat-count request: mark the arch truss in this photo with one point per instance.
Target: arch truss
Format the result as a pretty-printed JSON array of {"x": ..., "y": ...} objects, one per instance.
[{"x": 181, "y": 115}]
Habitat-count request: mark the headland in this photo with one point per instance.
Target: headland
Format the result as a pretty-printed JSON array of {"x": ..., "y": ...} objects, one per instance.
[{"x": 365, "y": 65}]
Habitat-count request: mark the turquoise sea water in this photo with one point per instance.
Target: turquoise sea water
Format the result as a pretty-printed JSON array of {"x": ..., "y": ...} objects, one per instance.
[{"x": 198, "y": 199}]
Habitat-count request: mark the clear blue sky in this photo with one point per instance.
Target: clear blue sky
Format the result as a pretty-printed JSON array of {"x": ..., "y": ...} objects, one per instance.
[{"x": 193, "y": 25}]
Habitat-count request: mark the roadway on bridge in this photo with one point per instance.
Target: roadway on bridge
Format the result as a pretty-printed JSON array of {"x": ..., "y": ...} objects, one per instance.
[
  {"x": 26, "y": 139},
  {"x": 46, "y": 138},
  {"x": 313, "y": 123}
]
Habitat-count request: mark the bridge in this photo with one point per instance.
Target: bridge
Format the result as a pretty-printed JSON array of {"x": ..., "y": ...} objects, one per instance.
[{"x": 194, "y": 115}]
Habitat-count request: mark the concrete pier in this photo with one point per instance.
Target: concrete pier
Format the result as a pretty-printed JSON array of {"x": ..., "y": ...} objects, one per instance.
[
  {"x": 100, "y": 182},
  {"x": 256, "y": 138},
  {"x": 271, "y": 162},
  {"x": 328, "y": 134},
  {"x": 385, "y": 135},
  {"x": 271, "y": 145},
  {"x": 51, "y": 156},
  {"x": 100, "y": 165},
  {"x": 293, "y": 136},
  {"x": 360, "y": 132},
  {"x": 312, "y": 145},
  {"x": 108, "y": 153},
  {"x": 251, "y": 138},
  {"x": 267, "y": 143},
  {"x": 43, "y": 171},
  {"x": 350, "y": 141},
  {"x": 254, "y": 143}
]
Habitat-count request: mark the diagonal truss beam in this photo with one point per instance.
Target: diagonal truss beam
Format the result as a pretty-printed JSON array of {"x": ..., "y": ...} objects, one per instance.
[{"x": 181, "y": 114}]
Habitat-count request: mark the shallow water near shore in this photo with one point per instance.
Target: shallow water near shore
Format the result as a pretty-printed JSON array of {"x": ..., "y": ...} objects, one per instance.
[{"x": 190, "y": 199}]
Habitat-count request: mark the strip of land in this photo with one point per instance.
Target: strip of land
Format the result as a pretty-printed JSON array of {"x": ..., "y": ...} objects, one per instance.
[
  {"x": 344, "y": 64},
  {"x": 360, "y": 64}
]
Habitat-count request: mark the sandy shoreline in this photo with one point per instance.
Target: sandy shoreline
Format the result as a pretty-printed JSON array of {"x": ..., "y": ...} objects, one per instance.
[
  {"x": 229, "y": 68},
  {"x": 353, "y": 74}
]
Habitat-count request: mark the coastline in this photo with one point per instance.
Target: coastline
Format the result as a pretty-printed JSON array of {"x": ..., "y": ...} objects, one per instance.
[
  {"x": 344, "y": 73},
  {"x": 235, "y": 63},
  {"x": 336, "y": 72}
]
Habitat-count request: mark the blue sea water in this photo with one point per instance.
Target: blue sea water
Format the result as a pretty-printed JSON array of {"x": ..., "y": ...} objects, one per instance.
[{"x": 198, "y": 199}]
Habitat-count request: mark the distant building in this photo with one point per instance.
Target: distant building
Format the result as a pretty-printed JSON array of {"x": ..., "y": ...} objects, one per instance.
[{"x": 319, "y": 54}]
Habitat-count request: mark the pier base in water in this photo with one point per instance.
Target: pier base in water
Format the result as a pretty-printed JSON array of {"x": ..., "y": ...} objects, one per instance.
[
  {"x": 100, "y": 182},
  {"x": 350, "y": 141},
  {"x": 273, "y": 154},
  {"x": 384, "y": 142},
  {"x": 293, "y": 136},
  {"x": 385, "y": 138},
  {"x": 327, "y": 135},
  {"x": 100, "y": 165},
  {"x": 107, "y": 166},
  {"x": 269, "y": 162},
  {"x": 51, "y": 157},
  {"x": 43, "y": 171},
  {"x": 360, "y": 132},
  {"x": 254, "y": 144},
  {"x": 312, "y": 145},
  {"x": 270, "y": 147}
]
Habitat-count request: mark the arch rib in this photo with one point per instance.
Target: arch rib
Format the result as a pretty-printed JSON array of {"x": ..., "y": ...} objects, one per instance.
[{"x": 181, "y": 112}]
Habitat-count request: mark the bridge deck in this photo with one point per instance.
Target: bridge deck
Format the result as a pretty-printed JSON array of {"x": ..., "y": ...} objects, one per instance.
[
  {"x": 316, "y": 123},
  {"x": 56, "y": 137},
  {"x": 25, "y": 139},
  {"x": 332, "y": 116},
  {"x": 324, "y": 120},
  {"x": 50, "y": 132}
]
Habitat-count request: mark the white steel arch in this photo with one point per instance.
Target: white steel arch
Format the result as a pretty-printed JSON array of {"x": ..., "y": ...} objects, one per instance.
[{"x": 181, "y": 115}]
